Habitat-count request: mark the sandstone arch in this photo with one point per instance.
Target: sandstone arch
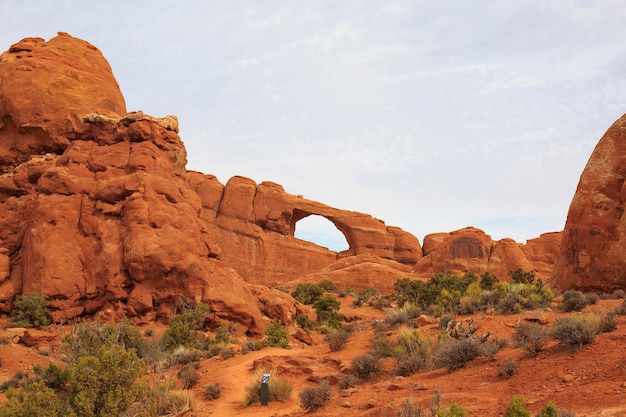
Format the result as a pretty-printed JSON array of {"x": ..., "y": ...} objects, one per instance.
[{"x": 298, "y": 216}]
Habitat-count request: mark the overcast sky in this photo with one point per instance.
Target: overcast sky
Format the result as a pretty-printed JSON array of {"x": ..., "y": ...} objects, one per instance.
[{"x": 429, "y": 115}]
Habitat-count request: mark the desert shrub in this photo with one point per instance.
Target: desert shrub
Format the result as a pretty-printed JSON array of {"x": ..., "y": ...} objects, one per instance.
[
  {"x": 4, "y": 339},
  {"x": 305, "y": 322},
  {"x": 165, "y": 401},
  {"x": 532, "y": 337},
  {"x": 516, "y": 408},
  {"x": 567, "y": 413},
  {"x": 549, "y": 410},
  {"x": 183, "y": 355},
  {"x": 212, "y": 391},
  {"x": 312, "y": 398},
  {"x": 488, "y": 281},
  {"x": 276, "y": 335},
  {"x": 608, "y": 321},
  {"x": 368, "y": 294},
  {"x": 456, "y": 353},
  {"x": 382, "y": 346},
  {"x": 621, "y": 309},
  {"x": 415, "y": 355},
  {"x": 348, "y": 381},
  {"x": 444, "y": 320},
  {"x": 509, "y": 304},
  {"x": 227, "y": 353},
  {"x": 508, "y": 368},
  {"x": 410, "y": 409},
  {"x": 338, "y": 339},
  {"x": 9, "y": 383},
  {"x": 328, "y": 285},
  {"x": 573, "y": 301},
  {"x": 467, "y": 304},
  {"x": 574, "y": 332},
  {"x": 36, "y": 400},
  {"x": 222, "y": 334},
  {"x": 327, "y": 311},
  {"x": 247, "y": 347},
  {"x": 365, "y": 366},
  {"x": 278, "y": 388},
  {"x": 520, "y": 277},
  {"x": 453, "y": 411},
  {"x": 182, "y": 327},
  {"x": 188, "y": 375},
  {"x": 619, "y": 293},
  {"x": 396, "y": 317},
  {"x": 53, "y": 376},
  {"x": 307, "y": 293},
  {"x": 30, "y": 310},
  {"x": 591, "y": 298}
]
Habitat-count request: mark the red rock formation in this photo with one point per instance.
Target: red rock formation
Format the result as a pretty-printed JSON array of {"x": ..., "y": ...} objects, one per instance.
[
  {"x": 592, "y": 251},
  {"x": 471, "y": 250},
  {"x": 45, "y": 87},
  {"x": 255, "y": 225}
]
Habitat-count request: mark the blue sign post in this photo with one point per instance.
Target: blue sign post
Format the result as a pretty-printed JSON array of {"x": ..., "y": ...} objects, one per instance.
[{"x": 265, "y": 390}]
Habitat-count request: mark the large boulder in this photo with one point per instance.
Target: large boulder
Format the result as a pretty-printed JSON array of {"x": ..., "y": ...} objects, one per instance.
[{"x": 591, "y": 257}]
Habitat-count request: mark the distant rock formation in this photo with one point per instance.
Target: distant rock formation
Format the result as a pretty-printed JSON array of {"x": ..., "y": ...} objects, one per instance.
[
  {"x": 591, "y": 257},
  {"x": 472, "y": 250}
]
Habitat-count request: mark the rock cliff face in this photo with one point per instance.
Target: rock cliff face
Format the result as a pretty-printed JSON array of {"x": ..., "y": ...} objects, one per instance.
[
  {"x": 471, "y": 249},
  {"x": 592, "y": 252}
]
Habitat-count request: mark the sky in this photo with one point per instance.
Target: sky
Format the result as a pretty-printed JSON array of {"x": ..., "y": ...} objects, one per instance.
[{"x": 429, "y": 115}]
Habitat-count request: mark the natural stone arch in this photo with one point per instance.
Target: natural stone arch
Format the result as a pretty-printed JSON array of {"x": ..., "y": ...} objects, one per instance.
[{"x": 345, "y": 230}]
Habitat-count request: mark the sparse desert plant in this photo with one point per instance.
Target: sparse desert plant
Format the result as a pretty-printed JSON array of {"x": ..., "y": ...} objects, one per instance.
[
  {"x": 382, "y": 346},
  {"x": 409, "y": 408},
  {"x": 328, "y": 285},
  {"x": 567, "y": 413},
  {"x": 30, "y": 310},
  {"x": 348, "y": 381},
  {"x": 212, "y": 391},
  {"x": 508, "y": 368},
  {"x": 453, "y": 411},
  {"x": 338, "y": 339},
  {"x": 591, "y": 298},
  {"x": 444, "y": 320},
  {"x": 549, "y": 410},
  {"x": 365, "y": 366},
  {"x": 278, "y": 388},
  {"x": 532, "y": 337},
  {"x": 573, "y": 301},
  {"x": 415, "y": 356},
  {"x": 621, "y": 309},
  {"x": 608, "y": 321},
  {"x": 574, "y": 332},
  {"x": 188, "y": 375},
  {"x": 396, "y": 317},
  {"x": 312, "y": 398},
  {"x": 276, "y": 335},
  {"x": 456, "y": 353},
  {"x": 516, "y": 408},
  {"x": 247, "y": 347}
]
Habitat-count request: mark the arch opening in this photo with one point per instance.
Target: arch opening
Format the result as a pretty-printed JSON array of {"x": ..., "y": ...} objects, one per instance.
[{"x": 321, "y": 231}]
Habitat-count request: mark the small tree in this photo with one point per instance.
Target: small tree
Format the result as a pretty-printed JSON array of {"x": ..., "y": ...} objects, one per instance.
[
  {"x": 307, "y": 293},
  {"x": 276, "y": 335},
  {"x": 516, "y": 408},
  {"x": 30, "y": 310}
]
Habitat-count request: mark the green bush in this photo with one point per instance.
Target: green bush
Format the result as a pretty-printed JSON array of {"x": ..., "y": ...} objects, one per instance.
[
  {"x": 307, "y": 293},
  {"x": 328, "y": 285},
  {"x": 488, "y": 281},
  {"x": 276, "y": 335},
  {"x": 516, "y": 408},
  {"x": 520, "y": 277},
  {"x": 573, "y": 301},
  {"x": 181, "y": 330},
  {"x": 365, "y": 366},
  {"x": 575, "y": 332},
  {"x": 549, "y": 410},
  {"x": 382, "y": 346},
  {"x": 30, "y": 310},
  {"x": 327, "y": 311},
  {"x": 532, "y": 337},
  {"x": 453, "y": 411},
  {"x": 312, "y": 398}
]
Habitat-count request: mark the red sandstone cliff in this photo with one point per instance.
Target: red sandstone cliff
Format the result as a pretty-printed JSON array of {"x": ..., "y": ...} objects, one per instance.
[{"x": 592, "y": 252}]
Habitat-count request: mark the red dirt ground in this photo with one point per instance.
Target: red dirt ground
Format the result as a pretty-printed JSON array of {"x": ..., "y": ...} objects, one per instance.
[{"x": 591, "y": 382}]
